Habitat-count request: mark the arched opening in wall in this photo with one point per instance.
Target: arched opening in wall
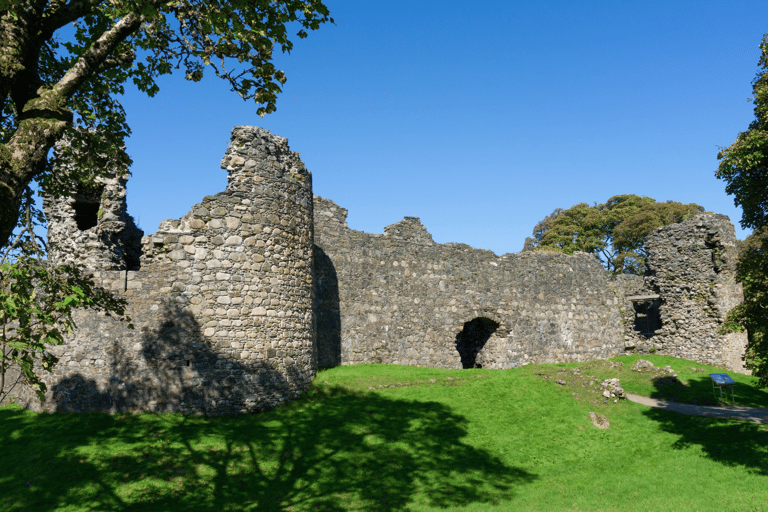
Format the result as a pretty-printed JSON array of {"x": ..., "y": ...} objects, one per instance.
[
  {"x": 87, "y": 205},
  {"x": 471, "y": 340},
  {"x": 647, "y": 316}
]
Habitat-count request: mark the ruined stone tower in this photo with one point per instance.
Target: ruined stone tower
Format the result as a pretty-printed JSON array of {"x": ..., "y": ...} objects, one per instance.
[
  {"x": 222, "y": 301},
  {"x": 691, "y": 267},
  {"x": 92, "y": 226}
]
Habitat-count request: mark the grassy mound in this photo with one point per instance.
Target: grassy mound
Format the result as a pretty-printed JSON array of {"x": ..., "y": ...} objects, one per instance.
[{"x": 399, "y": 438}]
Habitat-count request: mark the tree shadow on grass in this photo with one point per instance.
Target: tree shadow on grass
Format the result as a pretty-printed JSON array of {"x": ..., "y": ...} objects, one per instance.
[
  {"x": 699, "y": 391},
  {"x": 343, "y": 451},
  {"x": 727, "y": 441},
  {"x": 667, "y": 387}
]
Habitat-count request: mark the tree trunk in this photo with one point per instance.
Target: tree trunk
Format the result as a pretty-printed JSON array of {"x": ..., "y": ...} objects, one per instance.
[
  {"x": 40, "y": 109},
  {"x": 41, "y": 124}
]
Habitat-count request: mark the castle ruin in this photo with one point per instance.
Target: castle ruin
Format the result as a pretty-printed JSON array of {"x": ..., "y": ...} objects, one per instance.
[{"x": 238, "y": 303}]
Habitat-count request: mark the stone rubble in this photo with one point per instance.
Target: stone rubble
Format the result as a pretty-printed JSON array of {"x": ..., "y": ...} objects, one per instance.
[
  {"x": 612, "y": 389},
  {"x": 599, "y": 420}
]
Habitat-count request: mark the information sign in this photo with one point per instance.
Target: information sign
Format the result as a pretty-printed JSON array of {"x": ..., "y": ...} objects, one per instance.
[{"x": 722, "y": 380}]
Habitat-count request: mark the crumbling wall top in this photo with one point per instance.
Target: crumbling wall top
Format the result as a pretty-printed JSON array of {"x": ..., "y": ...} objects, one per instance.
[
  {"x": 255, "y": 153},
  {"x": 409, "y": 229},
  {"x": 329, "y": 212},
  {"x": 91, "y": 225}
]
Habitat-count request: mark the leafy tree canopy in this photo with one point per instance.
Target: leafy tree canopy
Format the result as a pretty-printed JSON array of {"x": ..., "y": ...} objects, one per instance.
[
  {"x": 614, "y": 231},
  {"x": 42, "y": 92},
  {"x": 744, "y": 165}
]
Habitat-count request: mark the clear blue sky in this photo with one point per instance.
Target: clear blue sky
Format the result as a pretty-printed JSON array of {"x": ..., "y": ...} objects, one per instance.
[{"x": 478, "y": 117}]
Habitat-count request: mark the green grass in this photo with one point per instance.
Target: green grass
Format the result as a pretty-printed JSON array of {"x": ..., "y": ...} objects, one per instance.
[{"x": 400, "y": 438}]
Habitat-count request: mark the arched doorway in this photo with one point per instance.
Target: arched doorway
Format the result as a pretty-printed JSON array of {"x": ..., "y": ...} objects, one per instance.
[{"x": 472, "y": 338}]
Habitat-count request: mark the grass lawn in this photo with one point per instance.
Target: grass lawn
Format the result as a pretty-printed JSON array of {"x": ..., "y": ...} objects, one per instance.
[{"x": 400, "y": 438}]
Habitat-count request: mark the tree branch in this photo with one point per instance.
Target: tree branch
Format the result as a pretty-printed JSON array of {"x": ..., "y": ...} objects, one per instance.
[
  {"x": 93, "y": 58},
  {"x": 117, "y": 61},
  {"x": 57, "y": 15}
]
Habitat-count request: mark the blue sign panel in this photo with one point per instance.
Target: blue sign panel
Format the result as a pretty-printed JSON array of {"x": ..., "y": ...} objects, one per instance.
[{"x": 722, "y": 379}]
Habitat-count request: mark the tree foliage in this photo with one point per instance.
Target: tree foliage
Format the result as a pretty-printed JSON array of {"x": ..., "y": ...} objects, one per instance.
[
  {"x": 51, "y": 88},
  {"x": 37, "y": 301},
  {"x": 744, "y": 167},
  {"x": 752, "y": 314},
  {"x": 42, "y": 92},
  {"x": 614, "y": 231}
]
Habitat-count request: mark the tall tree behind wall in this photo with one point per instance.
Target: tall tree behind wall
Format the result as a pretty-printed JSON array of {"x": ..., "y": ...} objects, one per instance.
[{"x": 613, "y": 231}]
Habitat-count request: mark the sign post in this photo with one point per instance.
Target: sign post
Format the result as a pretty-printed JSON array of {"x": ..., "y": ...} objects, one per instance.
[{"x": 722, "y": 380}]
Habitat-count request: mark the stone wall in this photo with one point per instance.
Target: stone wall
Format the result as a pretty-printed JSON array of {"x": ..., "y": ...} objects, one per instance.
[
  {"x": 401, "y": 298},
  {"x": 222, "y": 303},
  {"x": 238, "y": 303},
  {"x": 92, "y": 225},
  {"x": 635, "y": 308},
  {"x": 691, "y": 266}
]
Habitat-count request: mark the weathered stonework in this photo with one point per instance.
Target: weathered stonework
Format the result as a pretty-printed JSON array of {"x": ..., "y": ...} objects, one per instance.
[
  {"x": 400, "y": 298},
  {"x": 92, "y": 226},
  {"x": 691, "y": 266},
  {"x": 239, "y": 302},
  {"x": 222, "y": 303},
  {"x": 635, "y": 312}
]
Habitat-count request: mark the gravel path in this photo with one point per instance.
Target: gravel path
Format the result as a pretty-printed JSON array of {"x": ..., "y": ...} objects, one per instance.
[{"x": 753, "y": 414}]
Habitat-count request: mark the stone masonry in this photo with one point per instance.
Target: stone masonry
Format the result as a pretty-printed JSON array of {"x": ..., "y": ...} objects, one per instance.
[
  {"x": 401, "y": 298},
  {"x": 691, "y": 266},
  {"x": 92, "y": 226},
  {"x": 222, "y": 302},
  {"x": 239, "y": 302}
]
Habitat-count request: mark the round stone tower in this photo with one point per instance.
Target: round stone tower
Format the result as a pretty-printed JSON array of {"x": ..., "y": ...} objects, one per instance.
[
  {"x": 241, "y": 263},
  {"x": 273, "y": 184}
]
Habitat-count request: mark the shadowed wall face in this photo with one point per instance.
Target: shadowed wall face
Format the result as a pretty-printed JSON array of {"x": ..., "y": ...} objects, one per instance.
[
  {"x": 325, "y": 295},
  {"x": 86, "y": 207},
  {"x": 222, "y": 303},
  {"x": 647, "y": 318},
  {"x": 472, "y": 339}
]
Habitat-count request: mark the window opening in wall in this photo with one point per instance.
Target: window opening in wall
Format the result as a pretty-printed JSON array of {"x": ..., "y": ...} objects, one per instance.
[
  {"x": 647, "y": 316},
  {"x": 471, "y": 340},
  {"x": 87, "y": 204}
]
